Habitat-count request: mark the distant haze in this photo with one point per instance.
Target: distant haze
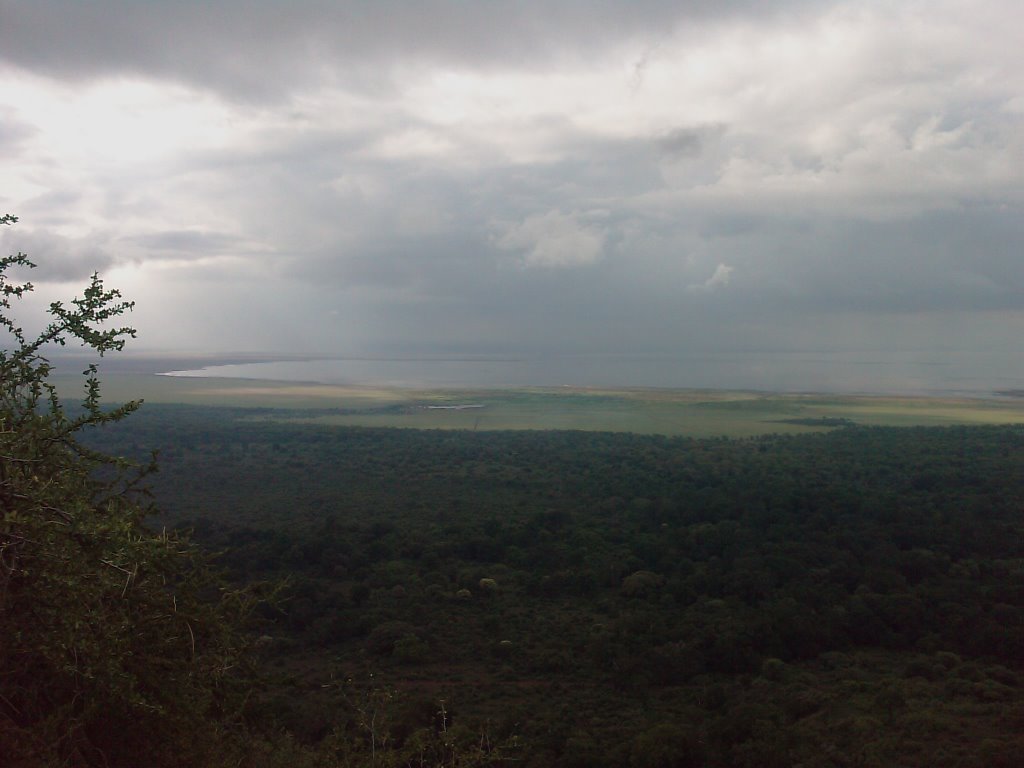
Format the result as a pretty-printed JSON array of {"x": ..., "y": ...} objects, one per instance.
[{"x": 811, "y": 182}]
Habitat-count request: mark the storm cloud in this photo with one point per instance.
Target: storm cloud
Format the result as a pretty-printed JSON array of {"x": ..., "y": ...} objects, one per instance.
[{"x": 578, "y": 176}]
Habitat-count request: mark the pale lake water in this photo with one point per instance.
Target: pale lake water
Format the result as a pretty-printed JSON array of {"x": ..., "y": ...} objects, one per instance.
[{"x": 960, "y": 373}]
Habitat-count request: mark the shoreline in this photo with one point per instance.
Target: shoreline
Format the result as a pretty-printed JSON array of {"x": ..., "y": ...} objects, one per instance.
[{"x": 799, "y": 374}]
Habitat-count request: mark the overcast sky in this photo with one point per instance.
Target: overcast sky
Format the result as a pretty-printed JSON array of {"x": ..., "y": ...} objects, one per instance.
[{"x": 439, "y": 177}]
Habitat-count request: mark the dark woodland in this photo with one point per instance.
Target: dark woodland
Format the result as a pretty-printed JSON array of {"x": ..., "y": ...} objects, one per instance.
[{"x": 848, "y": 598}]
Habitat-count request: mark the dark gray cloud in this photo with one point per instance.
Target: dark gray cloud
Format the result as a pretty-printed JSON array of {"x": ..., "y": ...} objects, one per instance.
[
  {"x": 433, "y": 251},
  {"x": 686, "y": 141},
  {"x": 57, "y": 258},
  {"x": 186, "y": 243},
  {"x": 253, "y": 48}
]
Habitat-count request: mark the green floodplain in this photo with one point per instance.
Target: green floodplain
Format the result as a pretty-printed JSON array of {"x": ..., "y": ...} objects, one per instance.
[{"x": 696, "y": 413}]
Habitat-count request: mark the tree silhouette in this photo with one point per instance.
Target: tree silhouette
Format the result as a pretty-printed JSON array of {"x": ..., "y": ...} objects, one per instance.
[{"x": 118, "y": 643}]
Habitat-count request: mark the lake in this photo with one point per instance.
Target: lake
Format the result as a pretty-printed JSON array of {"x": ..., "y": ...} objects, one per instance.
[{"x": 956, "y": 373}]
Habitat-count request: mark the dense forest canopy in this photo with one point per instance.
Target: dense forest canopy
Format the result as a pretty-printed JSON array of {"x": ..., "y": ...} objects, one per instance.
[{"x": 848, "y": 598}]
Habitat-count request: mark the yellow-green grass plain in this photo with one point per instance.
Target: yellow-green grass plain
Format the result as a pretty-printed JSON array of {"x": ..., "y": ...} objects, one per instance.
[{"x": 700, "y": 413}]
